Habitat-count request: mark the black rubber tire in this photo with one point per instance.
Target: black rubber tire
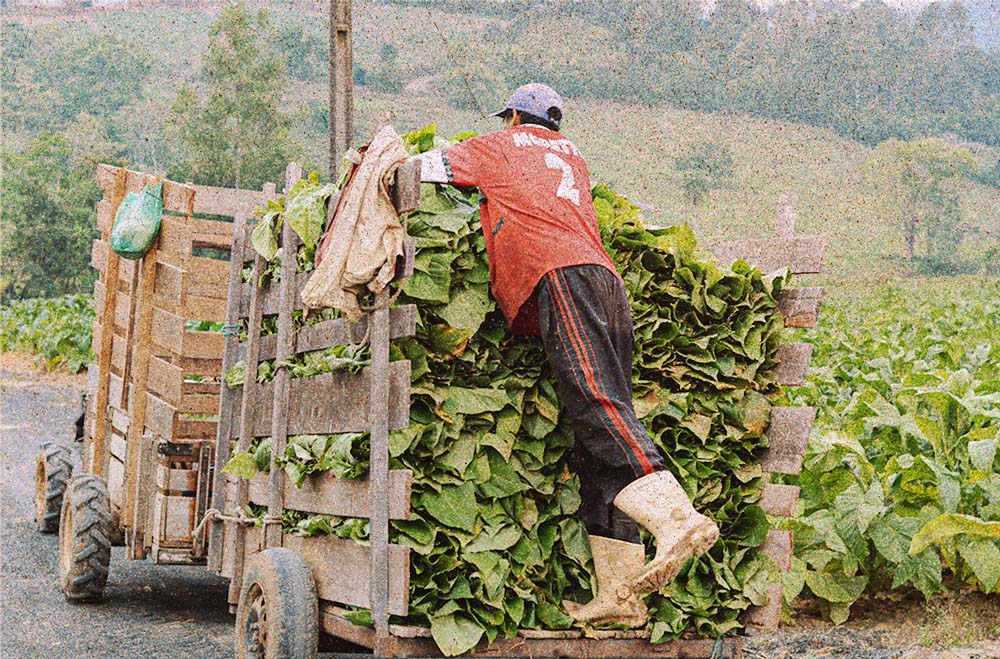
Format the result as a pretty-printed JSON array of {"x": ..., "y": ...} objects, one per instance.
[
  {"x": 84, "y": 539},
  {"x": 53, "y": 470},
  {"x": 278, "y": 612}
]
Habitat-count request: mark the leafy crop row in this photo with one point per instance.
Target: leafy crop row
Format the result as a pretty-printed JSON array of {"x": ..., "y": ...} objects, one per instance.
[
  {"x": 901, "y": 481},
  {"x": 57, "y": 329}
]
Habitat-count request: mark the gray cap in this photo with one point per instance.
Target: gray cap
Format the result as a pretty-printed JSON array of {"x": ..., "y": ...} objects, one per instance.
[{"x": 537, "y": 99}]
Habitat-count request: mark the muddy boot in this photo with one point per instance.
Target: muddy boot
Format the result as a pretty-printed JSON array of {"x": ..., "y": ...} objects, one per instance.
[
  {"x": 659, "y": 504},
  {"x": 615, "y": 562}
]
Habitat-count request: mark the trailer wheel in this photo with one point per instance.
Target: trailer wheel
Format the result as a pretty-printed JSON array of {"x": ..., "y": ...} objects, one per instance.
[
  {"x": 84, "y": 539},
  {"x": 53, "y": 469},
  {"x": 278, "y": 612}
]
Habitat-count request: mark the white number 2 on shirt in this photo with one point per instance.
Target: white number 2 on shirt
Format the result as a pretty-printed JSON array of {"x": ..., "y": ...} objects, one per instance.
[{"x": 567, "y": 186}]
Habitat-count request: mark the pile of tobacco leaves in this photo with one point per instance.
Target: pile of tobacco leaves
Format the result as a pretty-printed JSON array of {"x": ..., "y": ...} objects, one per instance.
[{"x": 496, "y": 543}]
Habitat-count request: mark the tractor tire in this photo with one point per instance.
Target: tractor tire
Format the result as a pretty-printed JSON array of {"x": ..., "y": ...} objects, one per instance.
[
  {"x": 84, "y": 539},
  {"x": 53, "y": 469},
  {"x": 278, "y": 612}
]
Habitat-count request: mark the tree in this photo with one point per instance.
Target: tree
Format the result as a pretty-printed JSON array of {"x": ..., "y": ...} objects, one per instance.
[
  {"x": 919, "y": 179},
  {"x": 47, "y": 219},
  {"x": 236, "y": 135},
  {"x": 705, "y": 167}
]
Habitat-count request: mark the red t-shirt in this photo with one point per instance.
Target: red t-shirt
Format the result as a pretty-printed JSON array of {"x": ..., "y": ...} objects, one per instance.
[{"x": 538, "y": 214}]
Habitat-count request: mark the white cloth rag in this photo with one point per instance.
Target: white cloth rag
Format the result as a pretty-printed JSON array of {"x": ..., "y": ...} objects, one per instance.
[{"x": 366, "y": 234}]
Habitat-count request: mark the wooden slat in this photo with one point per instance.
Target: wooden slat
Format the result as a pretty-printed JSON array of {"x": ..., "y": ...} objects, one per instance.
[
  {"x": 778, "y": 545},
  {"x": 780, "y": 500},
  {"x": 766, "y": 618},
  {"x": 119, "y": 354},
  {"x": 99, "y": 255},
  {"x": 188, "y": 429},
  {"x": 169, "y": 287},
  {"x": 118, "y": 448},
  {"x": 127, "y": 271},
  {"x": 204, "y": 367},
  {"x": 175, "y": 239},
  {"x": 203, "y": 345},
  {"x": 123, "y": 311},
  {"x": 116, "y": 480},
  {"x": 199, "y": 403},
  {"x": 173, "y": 519},
  {"x": 787, "y": 436},
  {"x": 326, "y": 494},
  {"x": 120, "y": 422},
  {"x": 228, "y": 202},
  {"x": 310, "y": 411},
  {"x": 341, "y": 569},
  {"x": 105, "y": 218},
  {"x": 160, "y": 417},
  {"x": 177, "y": 197},
  {"x": 168, "y": 331},
  {"x": 99, "y": 293},
  {"x": 206, "y": 277},
  {"x": 800, "y": 306},
  {"x": 171, "y": 481},
  {"x": 215, "y": 231},
  {"x": 634, "y": 646},
  {"x": 405, "y": 191},
  {"x": 793, "y": 366},
  {"x": 116, "y": 391},
  {"x": 204, "y": 308},
  {"x": 403, "y": 323},
  {"x": 166, "y": 380},
  {"x": 801, "y": 255}
]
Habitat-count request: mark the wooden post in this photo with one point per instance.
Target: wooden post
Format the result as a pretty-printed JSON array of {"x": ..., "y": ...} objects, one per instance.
[
  {"x": 283, "y": 352},
  {"x": 341, "y": 114},
  {"x": 97, "y": 461},
  {"x": 379, "y": 475}
]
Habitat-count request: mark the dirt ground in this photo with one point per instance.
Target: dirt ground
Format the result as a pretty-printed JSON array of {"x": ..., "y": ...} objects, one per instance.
[{"x": 160, "y": 612}]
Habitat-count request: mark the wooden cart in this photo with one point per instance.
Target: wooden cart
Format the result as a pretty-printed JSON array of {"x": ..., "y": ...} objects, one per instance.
[
  {"x": 273, "y": 574},
  {"x": 152, "y": 395}
]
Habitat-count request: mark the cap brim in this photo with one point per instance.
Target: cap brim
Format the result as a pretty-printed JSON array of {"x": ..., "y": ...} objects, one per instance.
[{"x": 501, "y": 113}]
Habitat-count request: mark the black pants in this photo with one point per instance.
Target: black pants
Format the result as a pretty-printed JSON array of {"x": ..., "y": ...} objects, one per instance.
[{"x": 586, "y": 327}]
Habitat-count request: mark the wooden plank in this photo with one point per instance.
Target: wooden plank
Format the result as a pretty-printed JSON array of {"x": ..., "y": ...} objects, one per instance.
[
  {"x": 402, "y": 323},
  {"x": 214, "y": 231},
  {"x": 169, "y": 287},
  {"x": 270, "y": 295},
  {"x": 105, "y": 218},
  {"x": 168, "y": 331},
  {"x": 378, "y": 473},
  {"x": 325, "y": 494},
  {"x": 197, "y": 307},
  {"x": 99, "y": 292},
  {"x": 173, "y": 519},
  {"x": 284, "y": 351},
  {"x": 767, "y": 618},
  {"x": 800, "y": 306},
  {"x": 188, "y": 429},
  {"x": 405, "y": 190},
  {"x": 116, "y": 480},
  {"x": 160, "y": 417},
  {"x": 206, "y": 277},
  {"x": 310, "y": 411},
  {"x": 166, "y": 380},
  {"x": 203, "y": 345},
  {"x": 117, "y": 447},
  {"x": 99, "y": 255},
  {"x": 780, "y": 500},
  {"x": 177, "y": 197},
  {"x": 778, "y": 545},
  {"x": 199, "y": 403},
  {"x": 119, "y": 354},
  {"x": 176, "y": 481},
  {"x": 211, "y": 200},
  {"x": 175, "y": 239},
  {"x": 123, "y": 311},
  {"x": 341, "y": 568},
  {"x": 205, "y": 367},
  {"x": 787, "y": 437},
  {"x": 116, "y": 391},
  {"x": 793, "y": 363},
  {"x": 416, "y": 645},
  {"x": 144, "y": 512},
  {"x": 801, "y": 255},
  {"x": 103, "y": 349}
]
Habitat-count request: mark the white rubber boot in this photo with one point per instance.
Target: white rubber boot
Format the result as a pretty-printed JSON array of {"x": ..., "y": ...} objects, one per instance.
[
  {"x": 615, "y": 561},
  {"x": 658, "y": 503}
]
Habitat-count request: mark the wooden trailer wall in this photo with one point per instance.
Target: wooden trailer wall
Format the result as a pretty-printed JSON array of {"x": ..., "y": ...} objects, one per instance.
[
  {"x": 377, "y": 577},
  {"x": 153, "y": 389}
]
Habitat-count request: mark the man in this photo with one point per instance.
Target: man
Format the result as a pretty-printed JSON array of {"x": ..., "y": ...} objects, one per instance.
[{"x": 551, "y": 276}]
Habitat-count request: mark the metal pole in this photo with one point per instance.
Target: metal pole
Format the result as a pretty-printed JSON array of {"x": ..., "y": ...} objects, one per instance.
[{"x": 341, "y": 115}]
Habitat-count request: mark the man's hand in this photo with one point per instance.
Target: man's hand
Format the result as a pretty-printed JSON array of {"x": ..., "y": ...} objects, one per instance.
[{"x": 432, "y": 167}]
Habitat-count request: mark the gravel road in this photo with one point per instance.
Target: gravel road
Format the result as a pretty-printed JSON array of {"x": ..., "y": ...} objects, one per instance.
[
  {"x": 149, "y": 611},
  {"x": 167, "y": 612}
]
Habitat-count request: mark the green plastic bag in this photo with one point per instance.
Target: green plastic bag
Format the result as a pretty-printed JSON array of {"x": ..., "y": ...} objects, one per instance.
[{"x": 137, "y": 222}]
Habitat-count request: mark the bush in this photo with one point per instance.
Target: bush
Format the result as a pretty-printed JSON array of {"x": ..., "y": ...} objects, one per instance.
[{"x": 56, "y": 329}]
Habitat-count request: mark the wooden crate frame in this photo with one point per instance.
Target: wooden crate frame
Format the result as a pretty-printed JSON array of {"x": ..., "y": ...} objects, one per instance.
[
  {"x": 378, "y": 578},
  {"x": 141, "y": 404}
]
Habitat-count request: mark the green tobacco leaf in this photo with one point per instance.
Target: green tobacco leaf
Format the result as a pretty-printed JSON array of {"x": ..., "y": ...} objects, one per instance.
[
  {"x": 836, "y": 587},
  {"x": 983, "y": 558},
  {"x": 453, "y": 506},
  {"x": 476, "y": 401},
  {"x": 468, "y": 309},
  {"x": 305, "y": 210},
  {"x": 982, "y": 453},
  {"x": 948, "y": 525},
  {"x": 242, "y": 465},
  {"x": 455, "y": 633},
  {"x": 263, "y": 239}
]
